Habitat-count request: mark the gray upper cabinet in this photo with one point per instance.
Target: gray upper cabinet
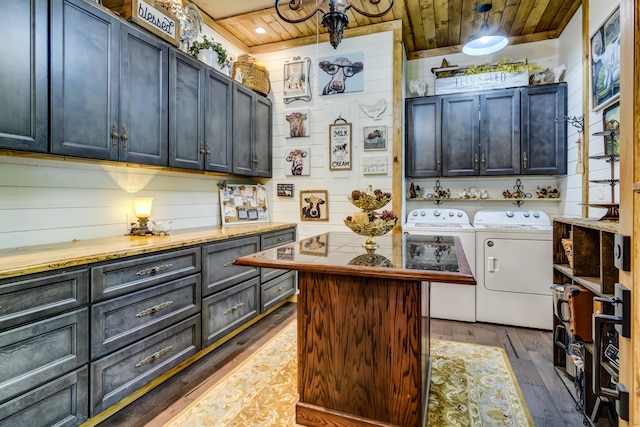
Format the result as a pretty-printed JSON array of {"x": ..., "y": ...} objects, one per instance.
[
  {"x": 544, "y": 131},
  {"x": 24, "y": 75},
  {"x": 200, "y": 122},
  {"x": 423, "y": 133},
  {"x": 251, "y": 133},
  {"x": 109, "y": 85},
  {"x": 460, "y": 135}
]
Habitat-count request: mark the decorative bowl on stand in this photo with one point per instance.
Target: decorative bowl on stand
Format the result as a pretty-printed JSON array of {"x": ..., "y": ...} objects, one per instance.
[
  {"x": 372, "y": 229},
  {"x": 367, "y": 222}
]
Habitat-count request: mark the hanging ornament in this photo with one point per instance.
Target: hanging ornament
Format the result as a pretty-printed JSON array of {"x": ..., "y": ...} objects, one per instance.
[{"x": 579, "y": 165}]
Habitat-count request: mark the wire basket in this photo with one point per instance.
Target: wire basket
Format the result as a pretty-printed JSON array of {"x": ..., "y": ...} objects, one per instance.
[
  {"x": 255, "y": 75},
  {"x": 377, "y": 227},
  {"x": 370, "y": 202}
]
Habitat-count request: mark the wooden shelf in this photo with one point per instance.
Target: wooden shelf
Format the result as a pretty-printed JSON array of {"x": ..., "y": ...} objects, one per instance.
[{"x": 502, "y": 199}]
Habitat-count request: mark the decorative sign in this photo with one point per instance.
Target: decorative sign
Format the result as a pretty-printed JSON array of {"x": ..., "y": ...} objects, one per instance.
[
  {"x": 285, "y": 190},
  {"x": 375, "y": 111},
  {"x": 375, "y": 165},
  {"x": 161, "y": 22},
  {"x": 340, "y": 145},
  {"x": 243, "y": 204},
  {"x": 295, "y": 80},
  {"x": 492, "y": 80}
]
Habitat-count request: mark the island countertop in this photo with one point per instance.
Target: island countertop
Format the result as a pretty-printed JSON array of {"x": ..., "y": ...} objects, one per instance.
[{"x": 404, "y": 256}]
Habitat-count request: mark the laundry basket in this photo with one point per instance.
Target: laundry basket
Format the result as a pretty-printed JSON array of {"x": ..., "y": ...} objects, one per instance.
[{"x": 254, "y": 74}]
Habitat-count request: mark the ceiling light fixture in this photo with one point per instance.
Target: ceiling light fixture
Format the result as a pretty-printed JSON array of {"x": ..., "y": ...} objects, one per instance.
[
  {"x": 486, "y": 41},
  {"x": 333, "y": 20},
  {"x": 261, "y": 30}
]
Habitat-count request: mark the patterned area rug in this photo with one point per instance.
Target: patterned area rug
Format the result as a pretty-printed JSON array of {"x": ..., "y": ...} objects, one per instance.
[{"x": 471, "y": 385}]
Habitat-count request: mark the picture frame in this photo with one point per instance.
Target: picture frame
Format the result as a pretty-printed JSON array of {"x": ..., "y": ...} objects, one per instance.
[
  {"x": 298, "y": 123},
  {"x": 300, "y": 159},
  {"x": 340, "y": 145},
  {"x": 285, "y": 190},
  {"x": 314, "y": 205},
  {"x": 343, "y": 73},
  {"x": 296, "y": 80},
  {"x": 611, "y": 122},
  {"x": 375, "y": 165},
  {"x": 605, "y": 62},
  {"x": 316, "y": 245},
  {"x": 243, "y": 204},
  {"x": 374, "y": 138}
]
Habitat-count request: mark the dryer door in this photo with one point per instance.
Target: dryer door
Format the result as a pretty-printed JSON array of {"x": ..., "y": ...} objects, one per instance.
[{"x": 516, "y": 264}]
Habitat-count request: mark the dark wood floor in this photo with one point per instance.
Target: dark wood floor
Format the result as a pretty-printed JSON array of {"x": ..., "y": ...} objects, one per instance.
[{"x": 529, "y": 351}]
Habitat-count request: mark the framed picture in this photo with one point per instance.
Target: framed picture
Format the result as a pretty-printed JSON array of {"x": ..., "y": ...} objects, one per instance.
[
  {"x": 375, "y": 138},
  {"x": 611, "y": 122},
  {"x": 341, "y": 74},
  {"x": 375, "y": 165},
  {"x": 300, "y": 160},
  {"x": 605, "y": 62},
  {"x": 285, "y": 190},
  {"x": 316, "y": 245},
  {"x": 297, "y": 123},
  {"x": 340, "y": 145},
  {"x": 295, "y": 80},
  {"x": 314, "y": 205}
]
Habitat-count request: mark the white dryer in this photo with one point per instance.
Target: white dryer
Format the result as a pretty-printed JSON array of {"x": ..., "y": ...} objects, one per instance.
[
  {"x": 514, "y": 255},
  {"x": 448, "y": 300}
]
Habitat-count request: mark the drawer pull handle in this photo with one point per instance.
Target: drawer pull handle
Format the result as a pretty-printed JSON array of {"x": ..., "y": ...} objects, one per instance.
[
  {"x": 154, "y": 356},
  {"x": 280, "y": 289},
  {"x": 154, "y": 309},
  {"x": 279, "y": 239},
  {"x": 228, "y": 264},
  {"x": 154, "y": 270},
  {"x": 233, "y": 309}
]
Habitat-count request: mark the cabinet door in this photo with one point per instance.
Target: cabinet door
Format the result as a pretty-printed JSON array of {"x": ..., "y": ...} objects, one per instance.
[
  {"x": 218, "y": 126},
  {"x": 243, "y": 129},
  {"x": 500, "y": 133},
  {"x": 460, "y": 135},
  {"x": 544, "y": 131},
  {"x": 423, "y": 137},
  {"x": 144, "y": 118},
  {"x": 186, "y": 111},
  {"x": 24, "y": 75},
  {"x": 262, "y": 134},
  {"x": 84, "y": 79}
]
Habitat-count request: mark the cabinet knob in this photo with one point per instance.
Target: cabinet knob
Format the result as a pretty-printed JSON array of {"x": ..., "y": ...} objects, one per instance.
[
  {"x": 484, "y": 162},
  {"x": 207, "y": 151},
  {"x": 255, "y": 161},
  {"x": 114, "y": 135},
  {"x": 524, "y": 160},
  {"x": 475, "y": 162},
  {"x": 124, "y": 137}
]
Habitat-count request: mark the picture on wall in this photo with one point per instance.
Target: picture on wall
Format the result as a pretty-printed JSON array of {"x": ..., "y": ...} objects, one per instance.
[
  {"x": 300, "y": 162},
  {"x": 296, "y": 80},
  {"x": 314, "y": 205},
  {"x": 375, "y": 138},
  {"x": 340, "y": 145},
  {"x": 341, "y": 74},
  {"x": 375, "y": 165},
  {"x": 605, "y": 62},
  {"x": 285, "y": 190},
  {"x": 611, "y": 123},
  {"x": 297, "y": 123}
]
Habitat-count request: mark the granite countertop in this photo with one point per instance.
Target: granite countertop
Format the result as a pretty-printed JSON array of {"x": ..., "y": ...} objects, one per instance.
[{"x": 34, "y": 259}]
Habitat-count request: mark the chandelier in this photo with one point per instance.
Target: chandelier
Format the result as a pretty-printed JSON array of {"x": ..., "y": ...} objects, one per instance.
[{"x": 335, "y": 19}]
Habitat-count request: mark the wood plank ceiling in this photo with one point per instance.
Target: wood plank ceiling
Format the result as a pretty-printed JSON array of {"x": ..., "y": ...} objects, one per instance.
[{"x": 430, "y": 27}]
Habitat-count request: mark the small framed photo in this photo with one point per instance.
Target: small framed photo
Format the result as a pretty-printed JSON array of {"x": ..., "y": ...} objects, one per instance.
[
  {"x": 314, "y": 205},
  {"x": 375, "y": 165},
  {"x": 297, "y": 123},
  {"x": 316, "y": 245},
  {"x": 375, "y": 138},
  {"x": 611, "y": 123},
  {"x": 340, "y": 146},
  {"x": 295, "y": 80},
  {"x": 300, "y": 160},
  {"x": 285, "y": 190}
]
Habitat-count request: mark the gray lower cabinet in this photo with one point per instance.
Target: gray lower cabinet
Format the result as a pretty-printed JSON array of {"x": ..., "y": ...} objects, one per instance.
[
  {"x": 274, "y": 291},
  {"x": 117, "y": 375},
  {"x": 24, "y": 75},
  {"x": 218, "y": 269},
  {"x": 270, "y": 240}
]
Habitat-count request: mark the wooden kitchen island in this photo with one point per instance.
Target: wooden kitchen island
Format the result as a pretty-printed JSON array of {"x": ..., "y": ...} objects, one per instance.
[{"x": 363, "y": 323}]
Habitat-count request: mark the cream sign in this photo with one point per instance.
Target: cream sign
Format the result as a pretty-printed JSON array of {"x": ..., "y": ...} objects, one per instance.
[
  {"x": 149, "y": 16},
  {"x": 493, "y": 80}
]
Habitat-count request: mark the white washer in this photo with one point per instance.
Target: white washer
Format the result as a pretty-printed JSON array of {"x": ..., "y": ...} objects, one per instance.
[
  {"x": 514, "y": 253},
  {"x": 448, "y": 300}
]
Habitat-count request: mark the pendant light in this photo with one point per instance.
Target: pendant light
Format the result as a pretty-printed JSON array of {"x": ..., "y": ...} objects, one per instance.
[{"x": 485, "y": 41}]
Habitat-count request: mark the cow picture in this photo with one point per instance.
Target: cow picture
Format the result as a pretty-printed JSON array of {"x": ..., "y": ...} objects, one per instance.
[
  {"x": 297, "y": 123},
  {"x": 314, "y": 205},
  {"x": 299, "y": 159},
  {"x": 341, "y": 74},
  {"x": 316, "y": 245},
  {"x": 375, "y": 138}
]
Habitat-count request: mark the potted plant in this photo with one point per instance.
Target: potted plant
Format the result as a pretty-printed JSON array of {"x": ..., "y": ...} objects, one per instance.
[{"x": 206, "y": 49}]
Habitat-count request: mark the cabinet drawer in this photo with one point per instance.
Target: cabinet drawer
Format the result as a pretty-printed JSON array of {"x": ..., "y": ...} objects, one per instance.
[
  {"x": 61, "y": 403},
  {"x": 35, "y": 353},
  {"x": 129, "y": 318},
  {"x": 269, "y": 240},
  {"x": 228, "y": 310},
  {"x": 121, "y": 373},
  {"x": 119, "y": 278},
  {"x": 31, "y": 298},
  {"x": 277, "y": 290},
  {"x": 218, "y": 270}
]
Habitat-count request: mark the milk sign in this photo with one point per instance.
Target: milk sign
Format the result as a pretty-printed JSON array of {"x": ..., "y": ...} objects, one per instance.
[{"x": 340, "y": 146}]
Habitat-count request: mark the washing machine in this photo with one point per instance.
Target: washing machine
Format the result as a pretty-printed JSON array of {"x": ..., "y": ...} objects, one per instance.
[
  {"x": 514, "y": 270},
  {"x": 450, "y": 301}
]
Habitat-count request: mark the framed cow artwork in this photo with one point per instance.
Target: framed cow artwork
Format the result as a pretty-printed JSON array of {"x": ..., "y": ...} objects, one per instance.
[
  {"x": 298, "y": 162},
  {"x": 341, "y": 74},
  {"x": 314, "y": 205},
  {"x": 340, "y": 145},
  {"x": 375, "y": 138},
  {"x": 297, "y": 123},
  {"x": 296, "y": 83},
  {"x": 316, "y": 245}
]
